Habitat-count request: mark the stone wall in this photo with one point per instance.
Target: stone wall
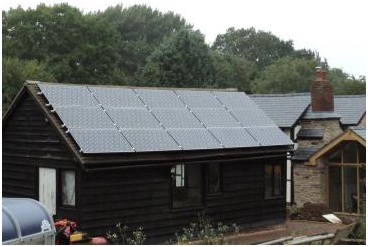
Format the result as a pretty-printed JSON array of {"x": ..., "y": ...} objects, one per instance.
[
  {"x": 309, "y": 184},
  {"x": 310, "y": 181},
  {"x": 332, "y": 130}
]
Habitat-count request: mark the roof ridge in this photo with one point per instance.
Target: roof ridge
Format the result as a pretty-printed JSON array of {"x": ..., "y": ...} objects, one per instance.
[
  {"x": 350, "y": 96},
  {"x": 135, "y": 87},
  {"x": 279, "y": 95}
]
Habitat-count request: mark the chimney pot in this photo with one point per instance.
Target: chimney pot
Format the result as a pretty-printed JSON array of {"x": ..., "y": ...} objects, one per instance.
[{"x": 321, "y": 74}]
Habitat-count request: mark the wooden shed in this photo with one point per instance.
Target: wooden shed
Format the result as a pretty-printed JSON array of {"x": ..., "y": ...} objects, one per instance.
[{"x": 144, "y": 157}]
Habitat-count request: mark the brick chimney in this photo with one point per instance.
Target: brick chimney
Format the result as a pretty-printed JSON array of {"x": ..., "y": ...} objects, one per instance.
[{"x": 321, "y": 92}]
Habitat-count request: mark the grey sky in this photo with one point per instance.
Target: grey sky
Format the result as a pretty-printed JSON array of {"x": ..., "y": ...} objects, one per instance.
[{"x": 335, "y": 29}]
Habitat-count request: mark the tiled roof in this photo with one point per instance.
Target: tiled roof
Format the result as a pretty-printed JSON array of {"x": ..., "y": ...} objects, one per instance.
[
  {"x": 283, "y": 109},
  {"x": 350, "y": 107},
  {"x": 309, "y": 114},
  {"x": 311, "y": 134},
  {"x": 303, "y": 154},
  {"x": 286, "y": 109},
  {"x": 105, "y": 119},
  {"x": 359, "y": 131}
]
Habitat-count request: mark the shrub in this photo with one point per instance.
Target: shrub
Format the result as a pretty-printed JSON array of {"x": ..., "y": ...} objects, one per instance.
[
  {"x": 123, "y": 235},
  {"x": 206, "y": 231}
]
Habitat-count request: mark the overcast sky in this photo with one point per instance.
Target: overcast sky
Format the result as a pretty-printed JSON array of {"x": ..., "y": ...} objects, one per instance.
[{"x": 336, "y": 29}]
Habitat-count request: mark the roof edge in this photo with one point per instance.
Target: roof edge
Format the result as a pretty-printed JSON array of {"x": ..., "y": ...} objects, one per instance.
[
  {"x": 348, "y": 135},
  {"x": 14, "y": 103},
  {"x": 53, "y": 121},
  {"x": 138, "y": 87}
]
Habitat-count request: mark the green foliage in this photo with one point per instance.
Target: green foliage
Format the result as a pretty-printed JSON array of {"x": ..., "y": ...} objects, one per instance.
[
  {"x": 123, "y": 235},
  {"x": 183, "y": 60},
  {"x": 206, "y": 231},
  {"x": 286, "y": 75},
  {"x": 344, "y": 84},
  {"x": 262, "y": 48},
  {"x": 359, "y": 230},
  {"x": 231, "y": 71},
  {"x": 141, "y": 31},
  {"x": 16, "y": 72},
  {"x": 142, "y": 46},
  {"x": 77, "y": 48}
]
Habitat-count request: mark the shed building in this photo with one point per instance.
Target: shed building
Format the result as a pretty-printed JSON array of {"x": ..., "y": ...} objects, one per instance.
[{"x": 144, "y": 157}]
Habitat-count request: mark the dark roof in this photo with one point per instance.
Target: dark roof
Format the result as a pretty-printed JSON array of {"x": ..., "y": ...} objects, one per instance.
[
  {"x": 105, "y": 119},
  {"x": 351, "y": 108},
  {"x": 311, "y": 134},
  {"x": 303, "y": 154},
  {"x": 309, "y": 114},
  {"x": 287, "y": 109},
  {"x": 284, "y": 109},
  {"x": 360, "y": 131}
]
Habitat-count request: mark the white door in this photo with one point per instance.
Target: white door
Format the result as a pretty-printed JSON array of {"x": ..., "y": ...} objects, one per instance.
[{"x": 47, "y": 188}]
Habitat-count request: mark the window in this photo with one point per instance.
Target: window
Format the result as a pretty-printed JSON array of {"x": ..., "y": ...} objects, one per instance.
[
  {"x": 273, "y": 181},
  {"x": 68, "y": 188},
  {"x": 213, "y": 183},
  {"x": 179, "y": 173},
  {"x": 56, "y": 187},
  {"x": 47, "y": 188},
  {"x": 186, "y": 185},
  {"x": 346, "y": 178}
]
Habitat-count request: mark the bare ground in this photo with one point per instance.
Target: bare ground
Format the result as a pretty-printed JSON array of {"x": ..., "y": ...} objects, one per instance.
[{"x": 294, "y": 228}]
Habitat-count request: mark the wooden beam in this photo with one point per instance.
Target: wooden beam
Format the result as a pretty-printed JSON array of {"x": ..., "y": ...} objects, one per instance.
[{"x": 348, "y": 135}]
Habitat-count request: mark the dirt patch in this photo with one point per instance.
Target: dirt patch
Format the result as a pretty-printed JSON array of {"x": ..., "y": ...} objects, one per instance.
[{"x": 294, "y": 228}]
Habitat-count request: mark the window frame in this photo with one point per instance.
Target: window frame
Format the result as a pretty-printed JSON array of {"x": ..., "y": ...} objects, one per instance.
[
  {"x": 58, "y": 184},
  {"x": 62, "y": 171},
  {"x": 186, "y": 203},
  {"x": 274, "y": 182},
  {"x": 219, "y": 179}
]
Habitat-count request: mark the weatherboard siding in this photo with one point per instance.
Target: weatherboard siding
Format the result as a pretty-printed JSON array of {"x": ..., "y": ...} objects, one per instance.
[
  {"x": 29, "y": 142},
  {"x": 142, "y": 197}
]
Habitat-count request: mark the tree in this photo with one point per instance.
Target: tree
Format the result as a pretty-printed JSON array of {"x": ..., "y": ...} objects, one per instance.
[
  {"x": 141, "y": 31},
  {"x": 345, "y": 84},
  {"x": 262, "y": 48},
  {"x": 183, "y": 60},
  {"x": 231, "y": 71},
  {"x": 16, "y": 72},
  {"x": 77, "y": 48},
  {"x": 286, "y": 75}
]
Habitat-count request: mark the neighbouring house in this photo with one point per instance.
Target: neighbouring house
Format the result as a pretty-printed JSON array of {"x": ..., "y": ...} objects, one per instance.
[
  {"x": 328, "y": 164},
  {"x": 144, "y": 157}
]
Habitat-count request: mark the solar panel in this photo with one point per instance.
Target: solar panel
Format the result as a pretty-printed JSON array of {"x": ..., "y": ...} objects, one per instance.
[
  {"x": 160, "y": 98},
  {"x": 144, "y": 140},
  {"x": 235, "y": 100},
  {"x": 100, "y": 140},
  {"x": 199, "y": 99},
  {"x": 269, "y": 136},
  {"x": 117, "y": 97},
  {"x": 95, "y": 130},
  {"x": 252, "y": 117},
  {"x": 133, "y": 118},
  {"x": 219, "y": 117},
  {"x": 67, "y": 95},
  {"x": 234, "y": 137},
  {"x": 177, "y": 118},
  {"x": 84, "y": 117},
  {"x": 192, "y": 139}
]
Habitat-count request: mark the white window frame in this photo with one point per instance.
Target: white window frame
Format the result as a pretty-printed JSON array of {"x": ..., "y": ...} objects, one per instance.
[
  {"x": 47, "y": 188},
  {"x": 68, "y": 187}
]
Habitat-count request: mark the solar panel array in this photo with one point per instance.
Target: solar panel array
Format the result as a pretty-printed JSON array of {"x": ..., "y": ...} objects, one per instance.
[{"x": 115, "y": 119}]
